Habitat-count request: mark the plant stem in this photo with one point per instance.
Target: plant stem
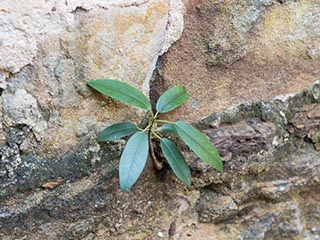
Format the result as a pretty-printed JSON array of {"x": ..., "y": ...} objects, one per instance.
[
  {"x": 155, "y": 116},
  {"x": 164, "y": 121},
  {"x": 156, "y": 164},
  {"x": 151, "y": 122},
  {"x": 154, "y": 133},
  {"x": 148, "y": 127}
]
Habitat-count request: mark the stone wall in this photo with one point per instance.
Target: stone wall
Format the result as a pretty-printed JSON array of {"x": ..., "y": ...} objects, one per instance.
[
  {"x": 237, "y": 51},
  {"x": 269, "y": 188},
  {"x": 252, "y": 71},
  {"x": 49, "y": 50}
]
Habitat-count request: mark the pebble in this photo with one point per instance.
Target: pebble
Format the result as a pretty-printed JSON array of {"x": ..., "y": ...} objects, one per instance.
[{"x": 160, "y": 234}]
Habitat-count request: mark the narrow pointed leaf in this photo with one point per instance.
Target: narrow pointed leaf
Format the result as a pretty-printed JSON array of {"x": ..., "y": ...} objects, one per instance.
[
  {"x": 122, "y": 92},
  {"x": 176, "y": 160},
  {"x": 116, "y": 131},
  {"x": 133, "y": 160},
  {"x": 169, "y": 128},
  {"x": 199, "y": 144},
  {"x": 171, "y": 99}
]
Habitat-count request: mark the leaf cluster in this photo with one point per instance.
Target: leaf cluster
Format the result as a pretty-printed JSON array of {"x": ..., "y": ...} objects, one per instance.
[{"x": 139, "y": 145}]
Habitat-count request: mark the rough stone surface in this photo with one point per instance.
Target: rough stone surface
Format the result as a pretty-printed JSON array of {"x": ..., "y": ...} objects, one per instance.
[
  {"x": 269, "y": 189},
  {"x": 305, "y": 124},
  {"x": 232, "y": 52},
  {"x": 57, "y": 182},
  {"x": 50, "y": 49}
]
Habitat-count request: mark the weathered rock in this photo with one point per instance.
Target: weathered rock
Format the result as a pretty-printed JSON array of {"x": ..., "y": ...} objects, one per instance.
[
  {"x": 285, "y": 220},
  {"x": 232, "y": 52},
  {"x": 49, "y": 50},
  {"x": 56, "y": 182},
  {"x": 245, "y": 137},
  {"x": 238, "y": 140},
  {"x": 213, "y": 207},
  {"x": 266, "y": 190},
  {"x": 306, "y": 123}
]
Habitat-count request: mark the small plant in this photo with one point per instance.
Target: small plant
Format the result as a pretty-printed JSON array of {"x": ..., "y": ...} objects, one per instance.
[{"x": 139, "y": 145}]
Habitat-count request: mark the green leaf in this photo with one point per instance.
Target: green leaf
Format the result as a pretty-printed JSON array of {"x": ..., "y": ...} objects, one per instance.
[
  {"x": 122, "y": 92},
  {"x": 133, "y": 160},
  {"x": 171, "y": 99},
  {"x": 199, "y": 144},
  {"x": 176, "y": 160},
  {"x": 169, "y": 128},
  {"x": 116, "y": 131}
]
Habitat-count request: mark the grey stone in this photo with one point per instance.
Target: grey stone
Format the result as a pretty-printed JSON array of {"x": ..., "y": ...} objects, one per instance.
[
  {"x": 214, "y": 207},
  {"x": 3, "y": 76},
  {"x": 21, "y": 108}
]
